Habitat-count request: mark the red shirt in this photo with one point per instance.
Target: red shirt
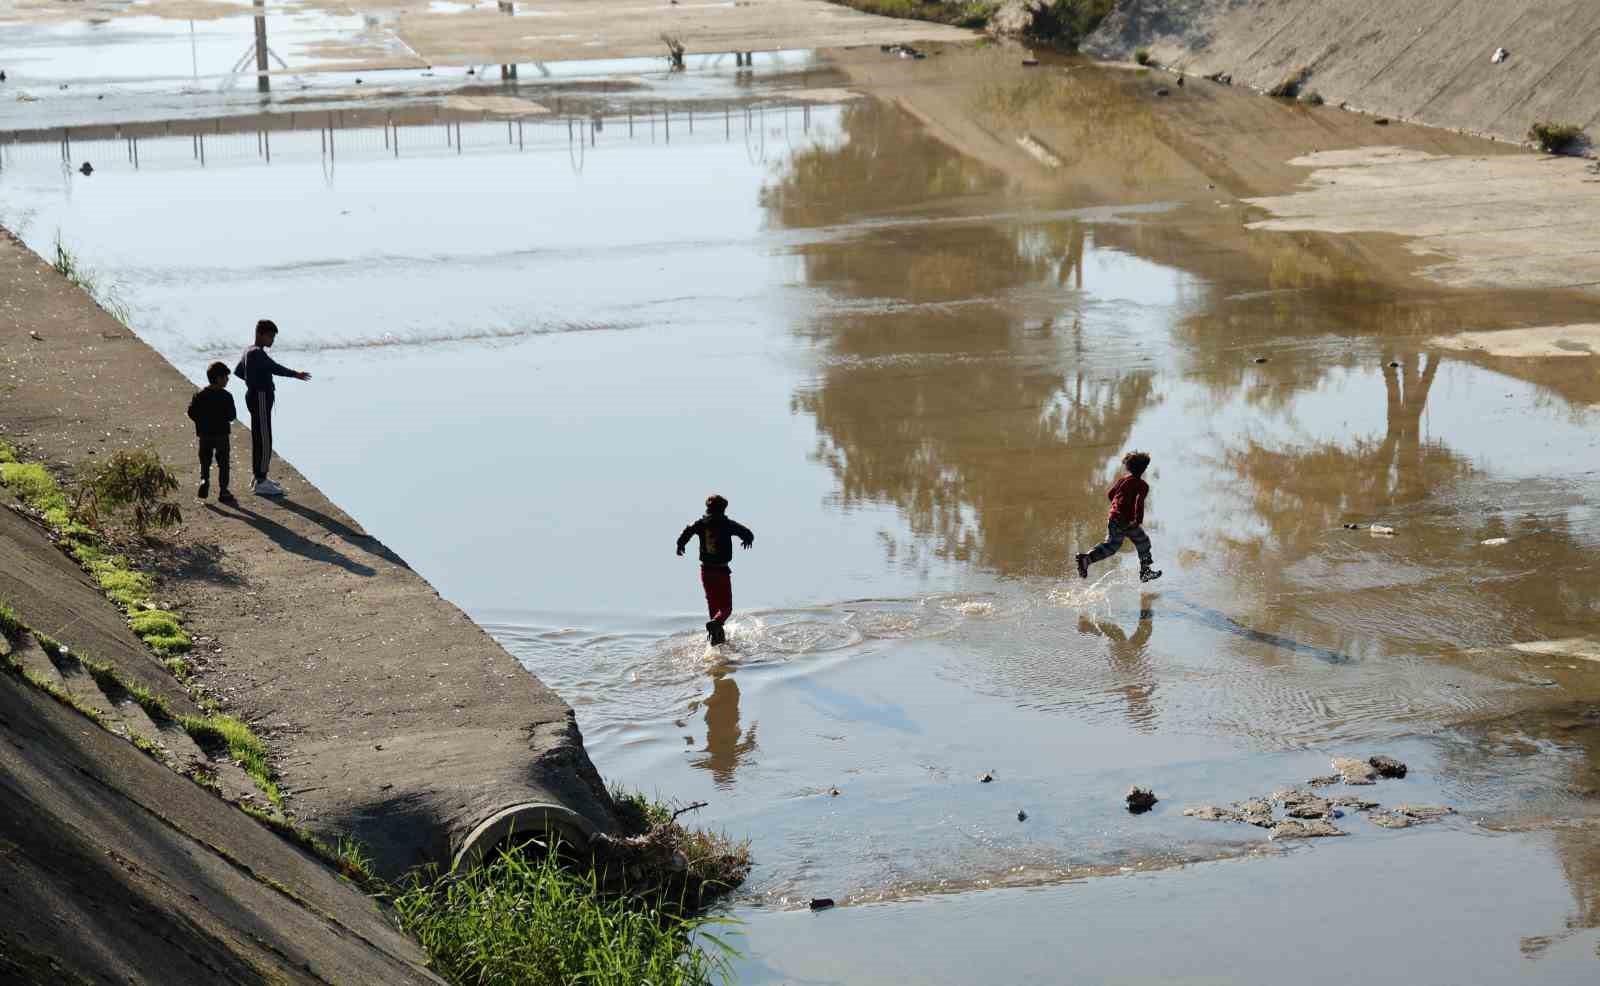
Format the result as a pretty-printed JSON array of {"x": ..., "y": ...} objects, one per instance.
[{"x": 1127, "y": 500}]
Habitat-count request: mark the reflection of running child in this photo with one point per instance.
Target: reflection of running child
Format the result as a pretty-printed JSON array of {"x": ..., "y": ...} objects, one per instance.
[
  {"x": 1126, "y": 520},
  {"x": 716, "y": 532}
]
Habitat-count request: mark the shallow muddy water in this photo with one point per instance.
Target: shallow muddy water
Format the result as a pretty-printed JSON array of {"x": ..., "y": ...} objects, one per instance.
[{"x": 913, "y": 378}]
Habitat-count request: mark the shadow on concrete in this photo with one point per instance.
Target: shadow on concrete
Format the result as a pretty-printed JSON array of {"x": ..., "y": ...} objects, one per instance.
[
  {"x": 193, "y": 562},
  {"x": 346, "y": 533},
  {"x": 294, "y": 543}
]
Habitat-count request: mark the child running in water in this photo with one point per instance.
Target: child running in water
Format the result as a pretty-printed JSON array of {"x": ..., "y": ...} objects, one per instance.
[
  {"x": 1126, "y": 519},
  {"x": 716, "y": 531}
]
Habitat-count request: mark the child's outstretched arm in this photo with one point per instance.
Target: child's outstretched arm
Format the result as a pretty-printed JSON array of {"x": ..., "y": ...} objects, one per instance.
[
  {"x": 688, "y": 532},
  {"x": 747, "y": 537}
]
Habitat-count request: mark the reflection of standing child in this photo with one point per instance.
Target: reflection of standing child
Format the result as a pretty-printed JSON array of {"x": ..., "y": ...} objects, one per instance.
[
  {"x": 1126, "y": 519},
  {"x": 213, "y": 412},
  {"x": 716, "y": 531}
]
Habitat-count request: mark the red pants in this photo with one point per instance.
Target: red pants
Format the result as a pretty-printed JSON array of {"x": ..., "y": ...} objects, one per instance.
[{"x": 718, "y": 583}]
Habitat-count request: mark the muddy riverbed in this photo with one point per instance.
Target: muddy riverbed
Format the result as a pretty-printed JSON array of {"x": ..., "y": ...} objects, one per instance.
[{"x": 538, "y": 342}]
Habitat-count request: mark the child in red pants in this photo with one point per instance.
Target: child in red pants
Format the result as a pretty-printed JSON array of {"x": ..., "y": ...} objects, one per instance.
[{"x": 716, "y": 531}]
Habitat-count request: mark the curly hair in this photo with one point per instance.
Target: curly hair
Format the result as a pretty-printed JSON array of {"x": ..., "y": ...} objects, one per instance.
[
  {"x": 1136, "y": 462},
  {"x": 716, "y": 504}
]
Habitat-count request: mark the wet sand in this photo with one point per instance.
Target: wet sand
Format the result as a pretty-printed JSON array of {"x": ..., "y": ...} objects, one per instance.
[{"x": 911, "y": 353}]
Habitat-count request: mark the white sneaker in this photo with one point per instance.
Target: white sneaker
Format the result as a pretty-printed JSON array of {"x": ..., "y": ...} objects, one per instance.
[{"x": 267, "y": 487}]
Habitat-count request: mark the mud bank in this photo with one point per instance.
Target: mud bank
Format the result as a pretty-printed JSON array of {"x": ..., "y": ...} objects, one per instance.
[
  {"x": 1430, "y": 62},
  {"x": 392, "y": 717}
]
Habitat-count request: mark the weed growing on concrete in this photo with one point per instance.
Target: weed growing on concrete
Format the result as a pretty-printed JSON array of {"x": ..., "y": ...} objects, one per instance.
[
  {"x": 149, "y": 748},
  {"x": 107, "y": 295},
  {"x": 135, "y": 482},
  {"x": 1555, "y": 138},
  {"x": 50, "y": 645},
  {"x": 58, "y": 693},
  {"x": 525, "y": 919},
  {"x": 206, "y": 778},
  {"x": 10, "y": 624},
  {"x": 355, "y": 862},
  {"x": 111, "y": 682},
  {"x": 243, "y": 745}
]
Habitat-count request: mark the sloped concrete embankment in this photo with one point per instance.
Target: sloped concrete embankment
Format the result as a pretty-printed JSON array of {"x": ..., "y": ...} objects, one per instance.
[
  {"x": 1427, "y": 61},
  {"x": 115, "y": 869},
  {"x": 391, "y": 716}
]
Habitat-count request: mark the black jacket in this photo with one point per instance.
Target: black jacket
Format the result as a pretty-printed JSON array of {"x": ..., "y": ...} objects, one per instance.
[
  {"x": 212, "y": 410},
  {"x": 257, "y": 369},
  {"x": 716, "y": 533}
]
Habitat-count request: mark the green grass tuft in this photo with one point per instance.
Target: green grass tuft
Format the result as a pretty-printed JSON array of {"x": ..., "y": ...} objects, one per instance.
[
  {"x": 49, "y": 644},
  {"x": 527, "y": 920},
  {"x": 355, "y": 862},
  {"x": 7, "y": 453},
  {"x": 242, "y": 744},
  {"x": 33, "y": 485},
  {"x": 11, "y": 624}
]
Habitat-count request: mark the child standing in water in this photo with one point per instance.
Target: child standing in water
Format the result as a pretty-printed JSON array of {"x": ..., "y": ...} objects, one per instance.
[
  {"x": 716, "y": 531},
  {"x": 1126, "y": 519}
]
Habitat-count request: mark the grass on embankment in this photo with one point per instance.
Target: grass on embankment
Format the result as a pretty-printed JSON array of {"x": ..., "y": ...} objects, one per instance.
[{"x": 524, "y": 919}]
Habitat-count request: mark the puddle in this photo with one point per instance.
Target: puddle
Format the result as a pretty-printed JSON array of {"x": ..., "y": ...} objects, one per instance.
[{"x": 913, "y": 377}]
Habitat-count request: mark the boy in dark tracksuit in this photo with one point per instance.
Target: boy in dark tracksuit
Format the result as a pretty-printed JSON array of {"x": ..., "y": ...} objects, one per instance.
[
  {"x": 1126, "y": 519},
  {"x": 716, "y": 531},
  {"x": 258, "y": 369},
  {"x": 213, "y": 413}
]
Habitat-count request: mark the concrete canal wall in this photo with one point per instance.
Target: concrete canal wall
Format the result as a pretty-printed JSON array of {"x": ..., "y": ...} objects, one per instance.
[{"x": 1427, "y": 61}]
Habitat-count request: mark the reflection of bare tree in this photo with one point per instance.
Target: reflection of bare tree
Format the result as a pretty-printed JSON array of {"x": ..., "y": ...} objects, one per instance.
[
  {"x": 725, "y": 747},
  {"x": 941, "y": 388}
]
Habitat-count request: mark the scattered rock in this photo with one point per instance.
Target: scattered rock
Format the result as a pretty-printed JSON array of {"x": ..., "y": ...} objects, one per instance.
[
  {"x": 1495, "y": 542},
  {"x": 1304, "y": 804},
  {"x": 1500, "y": 55},
  {"x": 1425, "y": 813},
  {"x": 1394, "y": 364},
  {"x": 1180, "y": 82},
  {"x": 1352, "y": 802},
  {"x": 1030, "y": 63},
  {"x": 1163, "y": 91},
  {"x": 1304, "y": 830},
  {"x": 1213, "y": 813},
  {"x": 1256, "y": 811},
  {"x": 1260, "y": 359},
  {"x": 1015, "y": 18},
  {"x": 833, "y": 792},
  {"x": 36, "y": 337},
  {"x": 986, "y": 779},
  {"x": 1381, "y": 121},
  {"x": 1140, "y": 799},
  {"x": 1323, "y": 780},
  {"x": 1022, "y": 816},
  {"x": 86, "y": 169},
  {"x": 1353, "y": 771},
  {"x": 821, "y": 903},
  {"x": 1387, "y": 766},
  {"x": 1390, "y": 820},
  {"x": 1381, "y": 530},
  {"x": 2, "y": 75}
]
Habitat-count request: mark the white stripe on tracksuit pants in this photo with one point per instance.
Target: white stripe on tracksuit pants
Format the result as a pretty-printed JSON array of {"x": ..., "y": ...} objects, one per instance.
[{"x": 259, "y": 404}]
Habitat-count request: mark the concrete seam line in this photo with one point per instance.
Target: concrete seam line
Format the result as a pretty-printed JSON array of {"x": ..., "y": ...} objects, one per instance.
[{"x": 531, "y": 818}]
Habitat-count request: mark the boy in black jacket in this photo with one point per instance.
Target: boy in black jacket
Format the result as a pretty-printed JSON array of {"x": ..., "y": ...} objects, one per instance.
[
  {"x": 213, "y": 413},
  {"x": 716, "y": 531},
  {"x": 258, "y": 369}
]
